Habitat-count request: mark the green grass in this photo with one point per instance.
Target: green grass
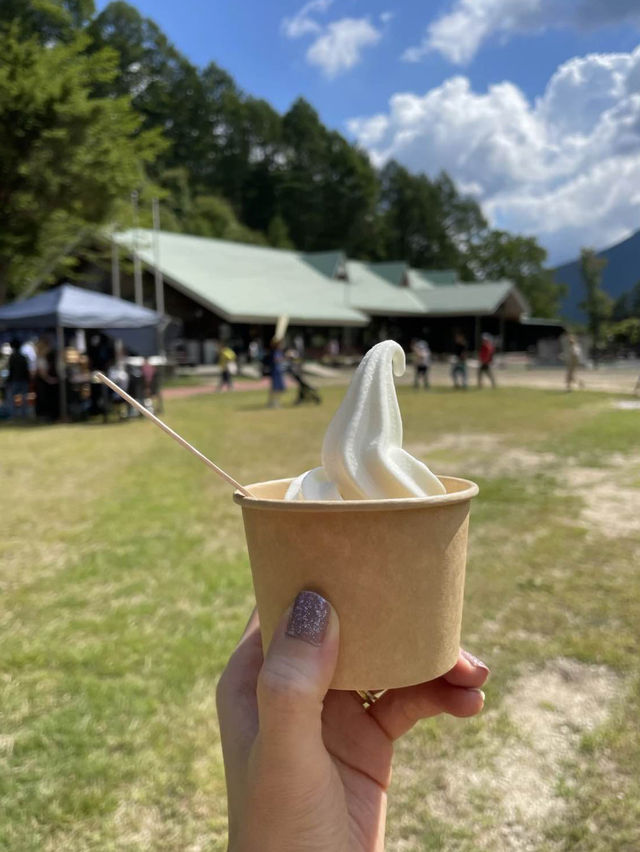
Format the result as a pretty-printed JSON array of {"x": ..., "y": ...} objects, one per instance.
[{"x": 125, "y": 585}]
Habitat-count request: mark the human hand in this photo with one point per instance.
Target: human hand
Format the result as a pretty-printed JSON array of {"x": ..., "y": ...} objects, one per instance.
[{"x": 308, "y": 768}]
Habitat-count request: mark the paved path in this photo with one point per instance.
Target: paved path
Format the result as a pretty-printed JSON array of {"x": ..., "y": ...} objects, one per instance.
[
  {"x": 611, "y": 379},
  {"x": 210, "y": 387}
]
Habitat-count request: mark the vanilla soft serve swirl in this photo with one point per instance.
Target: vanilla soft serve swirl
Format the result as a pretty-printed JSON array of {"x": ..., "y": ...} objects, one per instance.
[{"x": 362, "y": 455}]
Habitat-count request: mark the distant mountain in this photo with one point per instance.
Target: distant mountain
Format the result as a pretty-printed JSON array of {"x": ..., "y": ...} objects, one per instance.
[{"x": 619, "y": 275}]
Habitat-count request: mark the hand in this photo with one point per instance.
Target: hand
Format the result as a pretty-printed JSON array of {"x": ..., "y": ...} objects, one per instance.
[{"x": 308, "y": 768}]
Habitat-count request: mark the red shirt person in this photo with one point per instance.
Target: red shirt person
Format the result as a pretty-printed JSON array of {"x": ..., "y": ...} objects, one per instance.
[{"x": 485, "y": 356}]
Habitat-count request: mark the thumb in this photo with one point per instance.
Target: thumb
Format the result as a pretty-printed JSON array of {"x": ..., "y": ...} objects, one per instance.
[{"x": 295, "y": 677}]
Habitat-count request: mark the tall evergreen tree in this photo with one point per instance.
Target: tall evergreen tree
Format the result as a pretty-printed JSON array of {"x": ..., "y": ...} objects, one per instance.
[{"x": 65, "y": 157}]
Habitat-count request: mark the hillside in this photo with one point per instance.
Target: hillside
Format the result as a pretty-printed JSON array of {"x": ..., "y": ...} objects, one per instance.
[{"x": 620, "y": 274}]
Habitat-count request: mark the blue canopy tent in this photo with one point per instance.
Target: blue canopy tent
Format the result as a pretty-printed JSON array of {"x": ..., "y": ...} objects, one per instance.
[{"x": 67, "y": 306}]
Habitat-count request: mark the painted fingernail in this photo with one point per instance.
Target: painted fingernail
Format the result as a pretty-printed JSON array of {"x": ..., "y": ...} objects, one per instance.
[
  {"x": 309, "y": 618},
  {"x": 475, "y": 662}
]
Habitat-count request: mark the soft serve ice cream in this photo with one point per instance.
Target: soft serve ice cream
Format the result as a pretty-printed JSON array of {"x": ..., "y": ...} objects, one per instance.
[{"x": 362, "y": 455}]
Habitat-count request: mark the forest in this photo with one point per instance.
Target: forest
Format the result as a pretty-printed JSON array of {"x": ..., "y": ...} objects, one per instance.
[{"x": 95, "y": 107}]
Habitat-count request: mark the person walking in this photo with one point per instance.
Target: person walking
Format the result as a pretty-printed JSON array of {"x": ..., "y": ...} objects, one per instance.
[
  {"x": 459, "y": 366},
  {"x": 18, "y": 382},
  {"x": 226, "y": 362},
  {"x": 422, "y": 355},
  {"x": 485, "y": 357}
]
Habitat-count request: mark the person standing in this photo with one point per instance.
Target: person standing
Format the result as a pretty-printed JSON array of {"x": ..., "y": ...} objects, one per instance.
[
  {"x": 459, "y": 366},
  {"x": 422, "y": 355},
  {"x": 226, "y": 359},
  {"x": 574, "y": 358},
  {"x": 276, "y": 373},
  {"x": 485, "y": 356},
  {"x": 18, "y": 382},
  {"x": 28, "y": 349},
  {"x": 47, "y": 399}
]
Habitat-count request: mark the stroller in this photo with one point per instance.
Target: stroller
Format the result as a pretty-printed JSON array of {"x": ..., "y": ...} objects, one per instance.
[{"x": 306, "y": 393}]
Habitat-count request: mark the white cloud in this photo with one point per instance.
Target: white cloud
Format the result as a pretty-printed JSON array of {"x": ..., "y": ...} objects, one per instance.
[
  {"x": 338, "y": 45},
  {"x": 302, "y": 23},
  {"x": 458, "y": 34},
  {"x": 562, "y": 168}
]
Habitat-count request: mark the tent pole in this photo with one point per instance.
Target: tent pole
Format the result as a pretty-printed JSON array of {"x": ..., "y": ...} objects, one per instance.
[
  {"x": 476, "y": 334},
  {"x": 62, "y": 372}
]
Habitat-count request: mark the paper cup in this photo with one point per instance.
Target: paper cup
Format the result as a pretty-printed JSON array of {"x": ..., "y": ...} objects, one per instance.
[{"x": 393, "y": 569}]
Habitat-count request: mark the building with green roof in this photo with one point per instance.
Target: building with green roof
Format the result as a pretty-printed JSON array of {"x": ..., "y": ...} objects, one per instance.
[{"x": 218, "y": 289}]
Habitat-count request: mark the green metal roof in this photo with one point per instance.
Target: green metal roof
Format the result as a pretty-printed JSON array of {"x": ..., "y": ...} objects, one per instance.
[
  {"x": 471, "y": 299},
  {"x": 438, "y": 277},
  {"x": 392, "y": 271},
  {"x": 418, "y": 280},
  {"x": 246, "y": 283},
  {"x": 329, "y": 263},
  {"x": 371, "y": 293}
]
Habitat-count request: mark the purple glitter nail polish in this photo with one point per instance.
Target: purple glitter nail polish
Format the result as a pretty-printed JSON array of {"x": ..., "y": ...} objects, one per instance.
[
  {"x": 470, "y": 658},
  {"x": 309, "y": 618}
]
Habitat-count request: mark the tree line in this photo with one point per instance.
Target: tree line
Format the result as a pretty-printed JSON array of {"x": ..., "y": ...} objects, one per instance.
[
  {"x": 95, "y": 106},
  {"x": 614, "y": 326}
]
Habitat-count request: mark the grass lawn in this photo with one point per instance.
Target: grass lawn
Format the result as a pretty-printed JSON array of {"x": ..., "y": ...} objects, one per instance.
[{"x": 125, "y": 584}]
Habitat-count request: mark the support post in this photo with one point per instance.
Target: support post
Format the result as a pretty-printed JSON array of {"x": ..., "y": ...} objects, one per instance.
[
  {"x": 476, "y": 334},
  {"x": 156, "y": 258},
  {"x": 137, "y": 267},
  {"x": 62, "y": 372},
  {"x": 115, "y": 270}
]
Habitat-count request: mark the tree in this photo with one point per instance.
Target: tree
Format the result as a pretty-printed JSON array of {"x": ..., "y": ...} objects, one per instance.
[
  {"x": 65, "y": 157},
  {"x": 328, "y": 187},
  {"x": 49, "y": 21},
  {"x": 627, "y": 305},
  {"x": 409, "y": 204},
  {"x": 427, "y": 223},
  {"x": 278, "y": 233},
  {"x": 521, "y": 260},
  {"x": 597, "y": 304},
  {"x": 200, "y": 215}
]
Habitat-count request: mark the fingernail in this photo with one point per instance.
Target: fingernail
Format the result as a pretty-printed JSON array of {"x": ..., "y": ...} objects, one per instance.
[
  {"x": 309, "y": 618},
  {"x": 470, "y": 658},
  {"x": 481, "y": 693}
]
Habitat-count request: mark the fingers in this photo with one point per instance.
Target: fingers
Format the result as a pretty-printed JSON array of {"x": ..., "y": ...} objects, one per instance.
[
  {"x": 399, "y": 710},
  {"x": 457, "y": 693},
  {"x": 240, "y": 676},
  {"x": 295, "y": 677},
  {"x": 238, "y": 715},
  {"x": 236, "y": 690},
  {"x": 468, "y": 671}
]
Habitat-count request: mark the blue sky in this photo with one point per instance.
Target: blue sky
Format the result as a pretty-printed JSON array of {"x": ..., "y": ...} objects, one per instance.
[{"x": 532, "y": 106}]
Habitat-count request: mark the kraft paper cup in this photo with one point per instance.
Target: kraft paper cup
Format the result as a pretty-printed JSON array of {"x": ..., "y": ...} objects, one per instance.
[{"x": 393, "y": 569}]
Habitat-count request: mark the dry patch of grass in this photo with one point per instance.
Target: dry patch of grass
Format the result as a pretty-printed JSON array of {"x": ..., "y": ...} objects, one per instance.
[{"x": 125, "y": 585}]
